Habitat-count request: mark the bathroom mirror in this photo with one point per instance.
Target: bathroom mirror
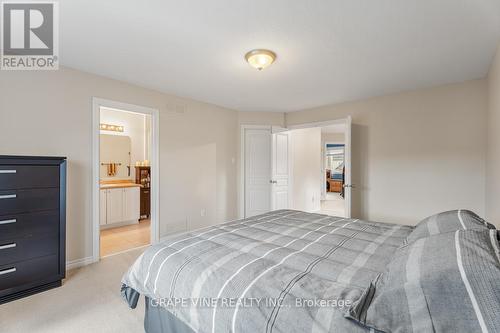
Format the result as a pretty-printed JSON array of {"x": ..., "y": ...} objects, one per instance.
[{"x": 114, "y": 157}]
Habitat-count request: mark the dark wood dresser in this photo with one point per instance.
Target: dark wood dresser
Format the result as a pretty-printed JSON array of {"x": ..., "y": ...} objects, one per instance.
[{"x": 32, "y": 225}]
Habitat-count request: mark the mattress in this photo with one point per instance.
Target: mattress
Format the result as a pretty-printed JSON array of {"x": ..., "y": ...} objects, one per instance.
[{"x": 284, "y": 271}]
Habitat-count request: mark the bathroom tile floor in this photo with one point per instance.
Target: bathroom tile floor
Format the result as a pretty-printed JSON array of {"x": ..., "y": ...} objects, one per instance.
[{"x": 124, "y": 238}]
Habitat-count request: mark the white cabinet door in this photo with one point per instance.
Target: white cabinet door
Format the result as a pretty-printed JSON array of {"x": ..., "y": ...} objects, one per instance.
[
  {"x": 115, "y": 205},
  {"x": 257, "y": 171},
  {"x": 102, "y": 207},
  {"x": 131, "y": 202}
]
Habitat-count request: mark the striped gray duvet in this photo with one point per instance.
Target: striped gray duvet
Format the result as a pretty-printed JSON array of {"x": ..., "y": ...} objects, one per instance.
[
  {"x": 284, "y": 271},
  {"x": 449, "y": 221},
  {"x": 446, "y": 282}
]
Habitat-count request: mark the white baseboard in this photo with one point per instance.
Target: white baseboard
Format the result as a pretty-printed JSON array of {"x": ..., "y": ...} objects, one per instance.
[
  {"x": 164, "y": 238},
  {"x": 79, "y": 263}
]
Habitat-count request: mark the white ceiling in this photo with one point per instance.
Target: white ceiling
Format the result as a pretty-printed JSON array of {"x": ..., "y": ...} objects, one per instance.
[{"x": 329, "y": 51}]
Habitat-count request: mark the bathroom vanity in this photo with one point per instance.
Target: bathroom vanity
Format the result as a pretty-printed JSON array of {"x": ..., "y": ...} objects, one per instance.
[{"x": 119, "y": 204}]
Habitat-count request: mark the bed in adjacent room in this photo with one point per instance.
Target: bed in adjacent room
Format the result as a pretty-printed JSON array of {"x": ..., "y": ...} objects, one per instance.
[{"x": 291, "y": 271}]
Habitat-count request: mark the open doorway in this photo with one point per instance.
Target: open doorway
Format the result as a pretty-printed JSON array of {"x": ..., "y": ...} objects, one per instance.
[
  {"x": 305, "y": 167},
  {"x": 321, "y": 167},
  {"x": 334, "y": 169},
  {"x": 125, "y": 177},
  {"x": 125, "y": 180}
]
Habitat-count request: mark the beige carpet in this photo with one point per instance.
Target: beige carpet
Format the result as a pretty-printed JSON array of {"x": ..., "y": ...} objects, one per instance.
[{"x": 88, "y": 301}]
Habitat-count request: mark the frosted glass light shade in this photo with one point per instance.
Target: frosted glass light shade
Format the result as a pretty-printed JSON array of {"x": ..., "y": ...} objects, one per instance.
[{"x": 260, "y": 59}]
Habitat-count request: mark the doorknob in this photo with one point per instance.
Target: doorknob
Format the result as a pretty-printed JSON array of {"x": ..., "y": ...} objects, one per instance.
[
  {"x": 349, "y": 185},
  {"x": 273, "y": 181}
]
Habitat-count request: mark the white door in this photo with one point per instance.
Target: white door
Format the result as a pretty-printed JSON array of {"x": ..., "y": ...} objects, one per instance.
[
  {"x": 280, "y": 171},
  {"x": 348, "y": 178},
  {"x": 257, "y": 171},
  {"x": 131, "y": 204},
  {"x": 114, "y": 204}
]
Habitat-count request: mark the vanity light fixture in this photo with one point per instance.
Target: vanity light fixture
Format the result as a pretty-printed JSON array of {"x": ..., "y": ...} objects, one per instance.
[
  {"x": 113, "y": 128},
  {"x": 260, "y": 58}
]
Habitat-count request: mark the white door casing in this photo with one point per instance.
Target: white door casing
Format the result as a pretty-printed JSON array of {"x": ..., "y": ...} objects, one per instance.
[
  {"x": 280, "y": 192},
  {"x": 348, "y": 167},
  {"x": 103, "y": 207},
  {"x": 257, "y": 171}
]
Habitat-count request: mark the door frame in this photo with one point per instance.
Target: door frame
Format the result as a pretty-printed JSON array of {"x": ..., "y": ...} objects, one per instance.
[
  {"x": 348, "y": 150},
  {"x": 97, "y": 103}
]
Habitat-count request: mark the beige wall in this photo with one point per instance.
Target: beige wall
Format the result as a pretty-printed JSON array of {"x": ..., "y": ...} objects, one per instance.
[
  {"x": 415, "y": 153},
  {"x": 49, "y": 113},
  {"x": 332, "y": 137},
  {"x": 306, "y": 169},
  {"x": 261, "y": 118},
  {"x": 493, "y": 144}
]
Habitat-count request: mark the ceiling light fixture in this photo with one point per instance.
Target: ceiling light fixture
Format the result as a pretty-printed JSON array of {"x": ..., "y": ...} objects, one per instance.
[{"x": 260, "y": 58}]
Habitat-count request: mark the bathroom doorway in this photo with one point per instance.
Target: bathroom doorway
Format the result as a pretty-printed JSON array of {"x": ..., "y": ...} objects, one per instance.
[{"x": 125, "y": 178}]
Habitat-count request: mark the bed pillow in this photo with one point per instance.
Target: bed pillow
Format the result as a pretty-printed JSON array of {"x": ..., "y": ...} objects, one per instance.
[
  {"x": 450, "y": 221},
  {"x": 443, "y": 283}
]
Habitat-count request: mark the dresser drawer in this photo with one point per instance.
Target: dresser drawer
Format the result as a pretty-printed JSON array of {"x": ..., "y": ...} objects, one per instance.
[
  {"x": 29, "y": 224},
  {"x": 28, "y": 176},
  {"x": 26, "y": 272},
  {"x": 27, "y": 201},
  {"x": 22, "y": 249}
]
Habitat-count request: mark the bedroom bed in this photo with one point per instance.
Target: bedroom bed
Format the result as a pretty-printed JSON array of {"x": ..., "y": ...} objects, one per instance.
[{"x": 291, "y": 271}]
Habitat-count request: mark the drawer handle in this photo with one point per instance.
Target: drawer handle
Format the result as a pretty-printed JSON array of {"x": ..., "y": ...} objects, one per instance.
[
  {"x": 7, "y": 246},
  {"x": 7, "y": 271},
  {"x": 8, "y": 221},
  {"x": 8, "y": 196},
  {"x": 8, "y": 171}
]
